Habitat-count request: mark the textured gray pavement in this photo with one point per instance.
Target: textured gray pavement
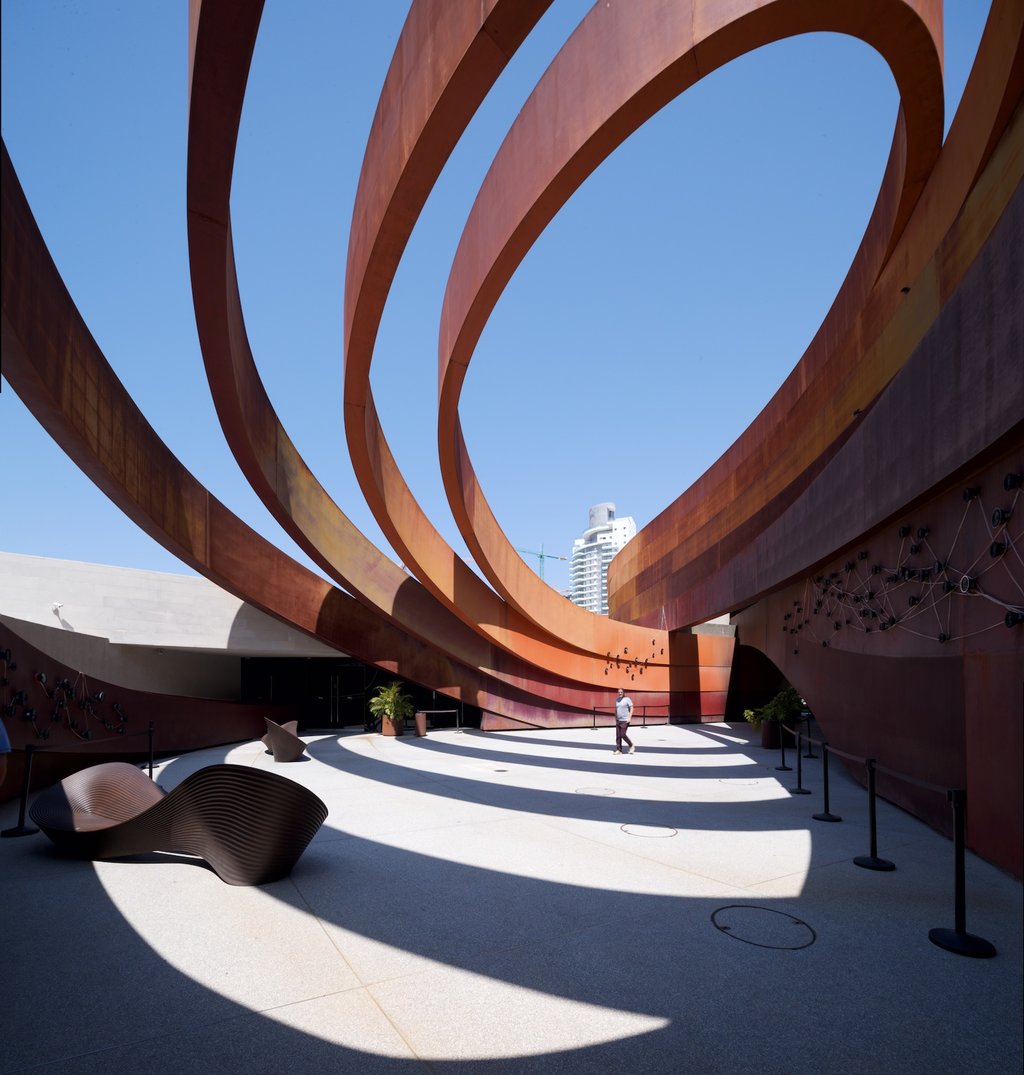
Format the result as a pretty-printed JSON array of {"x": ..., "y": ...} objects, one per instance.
[{"x": 521, "y": 902}]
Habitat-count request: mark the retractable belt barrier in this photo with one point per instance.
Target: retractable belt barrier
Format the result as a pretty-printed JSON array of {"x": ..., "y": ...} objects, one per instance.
[{"x": 957, "y": 939}]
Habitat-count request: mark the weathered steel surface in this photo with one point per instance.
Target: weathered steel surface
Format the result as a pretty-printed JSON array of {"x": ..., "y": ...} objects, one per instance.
[
  {"x": 441, "y": 70},
  {"x": 223, "y": 36},
  {"x": 585, "y": 106},
  {"x": 56, "y": 367},
  {"x": 911, "y": 386},
  {"x": 697, "y": 558}
]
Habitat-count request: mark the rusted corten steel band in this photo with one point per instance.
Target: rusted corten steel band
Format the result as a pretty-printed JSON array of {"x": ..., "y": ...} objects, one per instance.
[
  {"x": 588, "y": 102},
  {"x": 58, "y": 370},
  {"x": 833, "y": 511},
  {"x": 447, "y": 59},
  {"x": 222, "y": 39},
  {"x": 698, "y": 557}
]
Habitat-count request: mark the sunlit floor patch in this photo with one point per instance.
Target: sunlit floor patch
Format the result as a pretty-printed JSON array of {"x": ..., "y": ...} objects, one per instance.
[
  {"x": 451, "y": 1024},
  {"x": 651, "y": 832},
  {"x": 258, "y": 947}
]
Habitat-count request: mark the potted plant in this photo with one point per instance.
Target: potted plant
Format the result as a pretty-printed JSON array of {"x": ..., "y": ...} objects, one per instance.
[
  {"x": 784, "y": 708},
  {"x": 392, "y": 706}
]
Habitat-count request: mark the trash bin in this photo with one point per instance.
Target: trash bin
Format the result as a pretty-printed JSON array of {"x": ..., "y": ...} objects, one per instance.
[{"x": 421, "y": 722}]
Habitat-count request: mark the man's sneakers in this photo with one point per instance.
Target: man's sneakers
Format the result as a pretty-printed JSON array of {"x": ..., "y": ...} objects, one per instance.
[
  {"x": 632, "y": 750},
  {"x": 616, "y": 751}
]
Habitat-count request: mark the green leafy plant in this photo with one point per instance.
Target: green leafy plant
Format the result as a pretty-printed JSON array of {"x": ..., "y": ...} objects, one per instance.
[
  {"x": 390, "y": 702},
  {"x": 786, "y": 705}
]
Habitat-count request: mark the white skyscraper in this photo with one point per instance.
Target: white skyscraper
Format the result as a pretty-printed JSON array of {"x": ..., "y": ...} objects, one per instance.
[{"x": 593, "y": 552}]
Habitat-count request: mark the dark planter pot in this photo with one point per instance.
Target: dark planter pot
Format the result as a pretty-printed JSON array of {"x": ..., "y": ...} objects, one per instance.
[
  {"x": 421, "y": 724},
  {"x": 391, "y": 727},
  {"x": 770, "y": 736}
]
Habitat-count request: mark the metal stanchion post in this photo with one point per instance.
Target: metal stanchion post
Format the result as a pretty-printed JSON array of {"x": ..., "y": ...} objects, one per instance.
[
  {"x": 21, "y": 829},
  {"x": 799, "y": 789},
  {"x": 150, "y": 750},
  {"x": 958, "y": 940},
  {"x": 810, "y": 743},
  {"x": 783, "y": 768},
  {"x": 826, "y": 814},
  {"x": 872, "y": 861}
]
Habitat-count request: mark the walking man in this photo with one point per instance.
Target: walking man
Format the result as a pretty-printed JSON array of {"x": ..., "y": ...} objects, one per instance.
[{"x": 623, "y": 713}]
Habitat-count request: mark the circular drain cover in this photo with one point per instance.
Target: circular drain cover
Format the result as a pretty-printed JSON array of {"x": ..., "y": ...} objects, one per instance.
[
  {"x": 654, "y": 832},
  {"x": 594, "y": 791},
  {"x": 763, "y": 927}
]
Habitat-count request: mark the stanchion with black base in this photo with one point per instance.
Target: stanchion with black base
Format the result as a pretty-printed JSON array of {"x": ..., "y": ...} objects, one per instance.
[
  {"x": 783, "y": 768},
  {"x": 21, "y": 829},
  {"x": 958, "y": 940},
  {"x": 150, "y": 750},
  {"x": 799, "y": 789},
  {"x": 810, "y": 742},
  {"x": 872, "y": 861},
  {"x": 825, "y": 814}
]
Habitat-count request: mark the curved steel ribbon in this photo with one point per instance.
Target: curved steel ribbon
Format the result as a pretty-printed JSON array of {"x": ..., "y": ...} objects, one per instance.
[
  {"x": 531, "y": 653},
  {"x": 222, "y": 40},
  {"x": 585, "y": 106},
  {"x": 58, "y": 370},
  {"x": 694, "y": 560},
  {"x": 443, "y": 67}
]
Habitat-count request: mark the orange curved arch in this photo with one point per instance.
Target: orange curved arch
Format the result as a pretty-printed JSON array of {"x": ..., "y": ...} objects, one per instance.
[
  {"x": 442, "y": 68},
  {"x": 58, "y": 370},
  {"x": 693, "y": 559},
  {"x": 223, "y": 35},
  {"x": 599, "y": 102}
]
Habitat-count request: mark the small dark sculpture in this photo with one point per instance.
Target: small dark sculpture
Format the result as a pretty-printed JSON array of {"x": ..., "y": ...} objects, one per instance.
[{"x": 282, "y": 742}]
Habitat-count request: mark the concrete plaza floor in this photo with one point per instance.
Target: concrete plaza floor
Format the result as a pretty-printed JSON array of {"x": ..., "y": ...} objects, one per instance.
[{"x": 520, "y": 902}]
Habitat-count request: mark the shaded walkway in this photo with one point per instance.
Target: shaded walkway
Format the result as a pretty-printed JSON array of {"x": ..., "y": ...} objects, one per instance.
[{"x": 520, "y": 902}]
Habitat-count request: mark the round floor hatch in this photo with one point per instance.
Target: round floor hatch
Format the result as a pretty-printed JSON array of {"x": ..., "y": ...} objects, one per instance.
[
  {"x": 652, "y": 832},
  {"x": 763, "y": 927}
]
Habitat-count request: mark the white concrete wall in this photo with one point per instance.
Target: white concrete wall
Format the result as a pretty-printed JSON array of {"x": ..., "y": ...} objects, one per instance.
[{"x": 149, "y": 630}]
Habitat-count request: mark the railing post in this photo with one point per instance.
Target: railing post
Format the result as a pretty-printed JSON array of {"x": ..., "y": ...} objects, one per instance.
[
  {"x": 783, "y": 767},
  {"x": 825, "y": 814},
  {"x": 150, "y": 750},
  {"x": 958, "y": 940},
  {"x": 799, "y": 789},
  {"x": 21, "y": 829},
  {"x": 810, "y": 742},
  {"x": 872, "y": 861}
]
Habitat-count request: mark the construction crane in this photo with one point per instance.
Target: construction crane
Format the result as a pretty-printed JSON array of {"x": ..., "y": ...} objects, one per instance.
[{"x": 541, "y": 557}]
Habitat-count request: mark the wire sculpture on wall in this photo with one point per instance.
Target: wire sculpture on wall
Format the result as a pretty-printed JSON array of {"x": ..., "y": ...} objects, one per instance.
[
  {"x": 919, "y": 593},
  {"x": 71, "y": 705}
]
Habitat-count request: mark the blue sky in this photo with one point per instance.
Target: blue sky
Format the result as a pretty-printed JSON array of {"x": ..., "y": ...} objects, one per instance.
[{"x": 643, "y": 332}]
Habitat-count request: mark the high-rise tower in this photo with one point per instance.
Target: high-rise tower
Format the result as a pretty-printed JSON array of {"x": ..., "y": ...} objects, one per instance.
[{"x": 593, "y": 552}]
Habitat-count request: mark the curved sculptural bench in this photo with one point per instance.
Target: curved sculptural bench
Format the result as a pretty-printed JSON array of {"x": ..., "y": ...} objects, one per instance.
[
  {"x": 282, "y": 741},
  {"x": 249, "y": 825}
]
